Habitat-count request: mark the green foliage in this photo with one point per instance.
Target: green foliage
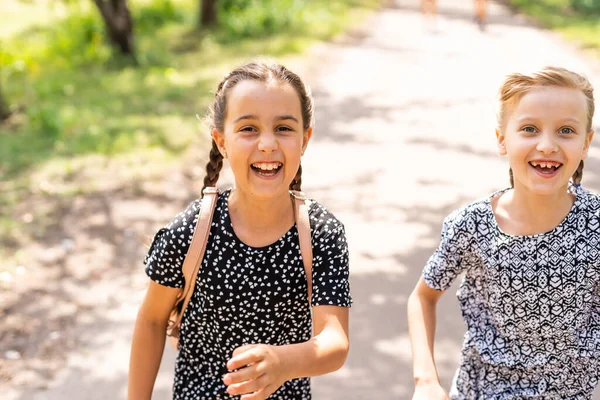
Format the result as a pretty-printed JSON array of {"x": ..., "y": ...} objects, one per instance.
[
  {"x": 156, "y": 15},
  {"x": 586, "y": 6},
  {"x": 77, "y": 41},
  {"x": 578, "y": 20},
  {"x": 258, "y": 18}
]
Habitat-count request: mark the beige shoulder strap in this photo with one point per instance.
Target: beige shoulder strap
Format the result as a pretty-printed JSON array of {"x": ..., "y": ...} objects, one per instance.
[
  {"x": 304, "y": 236},
  {"x": 195, "y": 254}
]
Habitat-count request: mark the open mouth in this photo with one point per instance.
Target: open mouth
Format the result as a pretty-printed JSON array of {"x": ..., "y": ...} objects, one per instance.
[
  {"x": 546, "y": 167},
  {"x": 267, "y": 169}
]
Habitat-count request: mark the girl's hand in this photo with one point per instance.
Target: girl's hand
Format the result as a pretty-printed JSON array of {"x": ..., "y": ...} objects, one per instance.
[
  {"x": 261, "y": 372},
  {"x": 431, "y": 391}
]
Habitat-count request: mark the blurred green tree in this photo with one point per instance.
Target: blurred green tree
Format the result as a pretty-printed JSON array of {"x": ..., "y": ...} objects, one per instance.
[
  {"x": 208, "y": 13},
  {"x": 119, "y": 24},
  {"x": 4, "y": 110},
  {"x": 592, "y": 6}
]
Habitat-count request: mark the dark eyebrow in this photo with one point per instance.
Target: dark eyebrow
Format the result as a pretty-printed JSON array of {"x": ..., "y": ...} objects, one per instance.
[
  {"x": 249, "y": 116},
  {"x": 280, "y": 118}
]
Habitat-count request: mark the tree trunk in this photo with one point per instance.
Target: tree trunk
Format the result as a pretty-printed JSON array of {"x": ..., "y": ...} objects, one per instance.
[
  {"x": 119, "y": 24},
  {"x": 4, "y": 110},
  {"x": 208, "y": 13}
]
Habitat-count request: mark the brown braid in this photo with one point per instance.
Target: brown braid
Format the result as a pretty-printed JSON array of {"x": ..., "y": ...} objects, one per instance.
[
  {"x": 512, "y": 178},
  {"x": 213, "y": 167},
  {"x": 578, "y": 174},
  {"x": 297, "y": 182}
]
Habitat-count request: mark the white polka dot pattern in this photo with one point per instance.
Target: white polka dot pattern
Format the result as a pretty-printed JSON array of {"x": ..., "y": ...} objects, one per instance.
[{"x": 246, "y": 295}]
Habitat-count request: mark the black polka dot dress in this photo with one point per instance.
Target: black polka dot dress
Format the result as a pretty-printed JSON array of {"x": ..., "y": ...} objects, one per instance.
[
  {"x": 246, "y": 295},
  {"x": 531, "y": 303}
]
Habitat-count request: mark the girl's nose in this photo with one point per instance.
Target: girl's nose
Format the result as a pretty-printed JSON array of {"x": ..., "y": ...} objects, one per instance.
[
  {"x": 267, "y": 142},
  {"x": 547, "y": 143}
]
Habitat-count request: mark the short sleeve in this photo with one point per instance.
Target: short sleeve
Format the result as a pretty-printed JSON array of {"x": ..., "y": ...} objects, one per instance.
[
  {"x": 165, "y": 257},
  {"x": 449, "y": 259},
  {"x": 331, "y": 269}
]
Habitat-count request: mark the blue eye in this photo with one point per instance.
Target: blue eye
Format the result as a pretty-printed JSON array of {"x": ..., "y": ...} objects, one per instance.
[
  {"x": 528, "y": 129},
  {"x": 566, "y": 130}
]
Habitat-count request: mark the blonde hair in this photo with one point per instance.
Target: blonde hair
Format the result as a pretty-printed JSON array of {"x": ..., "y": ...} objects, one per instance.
[{"x": 516, "y": 85}]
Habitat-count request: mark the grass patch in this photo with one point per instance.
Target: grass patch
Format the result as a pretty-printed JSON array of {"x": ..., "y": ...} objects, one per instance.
[{"x": 577, "y": 20}]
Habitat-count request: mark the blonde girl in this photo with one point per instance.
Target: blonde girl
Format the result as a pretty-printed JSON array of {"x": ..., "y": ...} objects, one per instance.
[
  {"x": 530, "y": 255},
  {"x": 247, "y": 331}
]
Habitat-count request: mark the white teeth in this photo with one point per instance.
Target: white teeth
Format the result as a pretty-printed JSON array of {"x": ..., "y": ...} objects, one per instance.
[
  {"x": 545, "y": 164},
  {"x": 266, "y": 166}
]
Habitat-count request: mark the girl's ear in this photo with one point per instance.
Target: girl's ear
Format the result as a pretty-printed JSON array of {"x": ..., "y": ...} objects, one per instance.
[
  {"x": 219, "y": 139},
  {"x": 588, "y": 141},
  {"x": 501, "y": 142},
  {"x": 306, "y": 138}
]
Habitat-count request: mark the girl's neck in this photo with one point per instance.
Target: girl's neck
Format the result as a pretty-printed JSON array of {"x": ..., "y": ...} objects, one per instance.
[
  {"x": 520, "y": 212},
  {"x": 259, "y": 222}
]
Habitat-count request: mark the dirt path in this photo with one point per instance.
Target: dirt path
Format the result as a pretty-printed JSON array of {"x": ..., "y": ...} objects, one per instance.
[{"x": 404, "y": 135}]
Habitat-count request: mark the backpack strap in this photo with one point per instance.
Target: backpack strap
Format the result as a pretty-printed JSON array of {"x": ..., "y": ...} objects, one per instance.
[
  {"x": 304, "y": 236},
  {"x": 195, "y": 254}
]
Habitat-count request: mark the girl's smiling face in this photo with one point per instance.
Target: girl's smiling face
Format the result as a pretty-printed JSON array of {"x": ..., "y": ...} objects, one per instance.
[
  {"x": 545, "y": 138},
  {"x": 263, "y": 136}
]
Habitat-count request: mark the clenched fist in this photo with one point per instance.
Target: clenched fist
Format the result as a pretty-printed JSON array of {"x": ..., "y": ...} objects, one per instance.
[{"x": 260, "y": 372}]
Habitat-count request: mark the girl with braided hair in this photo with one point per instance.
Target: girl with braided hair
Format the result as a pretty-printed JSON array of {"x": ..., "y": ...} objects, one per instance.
[
  {"x": 247, "y": 331},
  {"x": 530, "y": 255}
]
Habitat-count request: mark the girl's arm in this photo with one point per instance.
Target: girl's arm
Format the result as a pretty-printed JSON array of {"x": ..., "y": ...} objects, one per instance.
[
  {"x": 421, "y": 325},
  {"x": 265, "y": 368},
  {"x": 326, "y": 351},
  {"x": 149, "y": 340}
]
